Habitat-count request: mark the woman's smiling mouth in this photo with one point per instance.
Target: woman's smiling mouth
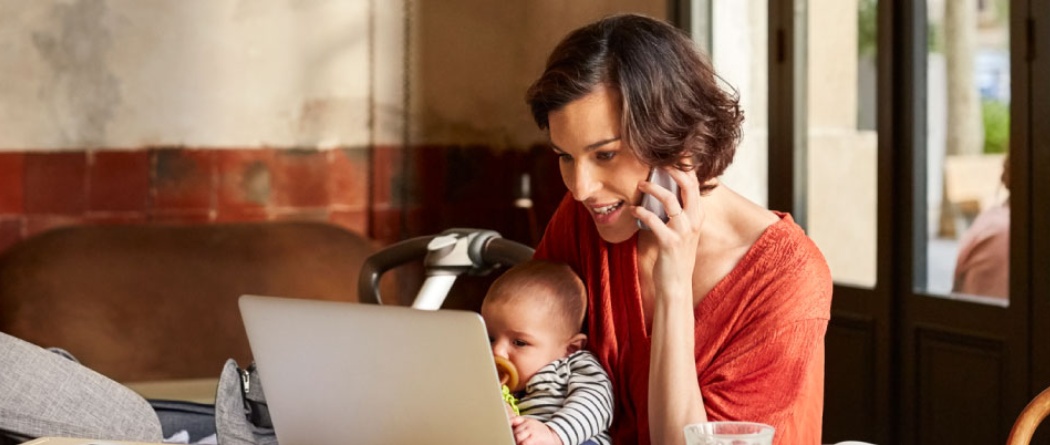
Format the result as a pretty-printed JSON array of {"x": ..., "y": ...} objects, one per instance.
[{"x": 606, "y": 210}]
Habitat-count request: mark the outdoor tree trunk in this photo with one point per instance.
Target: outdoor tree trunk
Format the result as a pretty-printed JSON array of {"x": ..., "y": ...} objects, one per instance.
[{"x": 964, "y": 127}]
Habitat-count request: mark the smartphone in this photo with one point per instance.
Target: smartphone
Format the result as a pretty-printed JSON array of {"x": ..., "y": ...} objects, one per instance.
[{"x": 659, "y": 177}]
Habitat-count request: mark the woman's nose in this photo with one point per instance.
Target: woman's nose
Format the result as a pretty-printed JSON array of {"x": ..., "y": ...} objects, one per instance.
[{"x": 581, "y": 181}]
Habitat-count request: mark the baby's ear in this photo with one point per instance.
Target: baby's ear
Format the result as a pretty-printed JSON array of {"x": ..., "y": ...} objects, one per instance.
[{"x": 577, "y": 342}]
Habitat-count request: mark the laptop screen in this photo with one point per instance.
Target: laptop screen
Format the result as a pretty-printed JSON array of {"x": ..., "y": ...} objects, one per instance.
[{"x": 339, "y": 372}]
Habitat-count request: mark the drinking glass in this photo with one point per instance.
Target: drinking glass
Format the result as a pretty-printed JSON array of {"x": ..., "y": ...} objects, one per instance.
[{"x": 728, "y": 433}]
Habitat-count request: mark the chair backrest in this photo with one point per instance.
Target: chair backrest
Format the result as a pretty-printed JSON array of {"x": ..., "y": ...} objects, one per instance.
[
  {"x": 156, "y": 302},
  {"x": 974, "y": 180},
  {"x": 1028, "y": 421}
]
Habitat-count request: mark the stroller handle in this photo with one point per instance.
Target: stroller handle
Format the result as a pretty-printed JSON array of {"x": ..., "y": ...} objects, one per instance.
[
  {"x": 505, "y": 252},
  {"x": 453, "y": 252}
]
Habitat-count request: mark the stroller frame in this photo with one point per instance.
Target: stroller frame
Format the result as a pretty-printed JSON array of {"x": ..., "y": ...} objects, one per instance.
[{"x": 446, "y": 256}]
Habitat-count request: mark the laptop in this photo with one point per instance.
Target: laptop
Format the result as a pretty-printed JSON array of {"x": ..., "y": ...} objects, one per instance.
[{"x": 340, "y": 372}]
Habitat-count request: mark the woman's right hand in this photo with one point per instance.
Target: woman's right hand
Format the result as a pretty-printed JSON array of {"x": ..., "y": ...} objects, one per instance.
[
  {"x": 675, "y": 399},
  {"x": 678, "y": 238}
]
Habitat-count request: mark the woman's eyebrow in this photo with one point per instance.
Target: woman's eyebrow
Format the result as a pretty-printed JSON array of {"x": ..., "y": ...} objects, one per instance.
[{"x": 589, "y": 147}]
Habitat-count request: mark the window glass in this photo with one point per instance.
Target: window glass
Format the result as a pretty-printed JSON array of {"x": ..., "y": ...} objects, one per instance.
[
  {"x": 966, "y": 233},
  {"x": 841, "y": 138}
]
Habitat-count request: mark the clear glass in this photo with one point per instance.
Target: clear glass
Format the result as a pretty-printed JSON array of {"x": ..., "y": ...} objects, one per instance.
[
  {"x": 738, "y": 45},
  {"x": 728, "y": 433},
  {"x": 841, "y": 137},
  {"x": 966, "y": 233}
]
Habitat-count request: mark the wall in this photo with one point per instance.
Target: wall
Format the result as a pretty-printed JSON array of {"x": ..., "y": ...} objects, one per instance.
[
  {"x": 127, "y": 112},
  {"x": 739, "y": 48},
  {"x": 183, "y": 112},
  {"x": 477, "y": 58},
  {"x": 120, "y": 73},
  {"x": 471, "y": 137}
]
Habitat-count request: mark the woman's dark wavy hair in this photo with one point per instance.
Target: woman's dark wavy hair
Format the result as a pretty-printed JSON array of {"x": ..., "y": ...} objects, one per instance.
[{"x": 674, "y": 111}]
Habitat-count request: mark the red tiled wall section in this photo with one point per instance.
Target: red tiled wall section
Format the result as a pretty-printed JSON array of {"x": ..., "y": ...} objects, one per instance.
[
  {"x": 385, "y": 192},
  {"x": 41, "y": 191}
]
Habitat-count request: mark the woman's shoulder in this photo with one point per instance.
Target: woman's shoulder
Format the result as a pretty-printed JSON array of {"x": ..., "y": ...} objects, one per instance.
[
  {"x": 782, "y": 268},
  {"x": 992, "y": 222},
  {"x": 792, "y": 256},
  {"x": 785, "y": 240}
]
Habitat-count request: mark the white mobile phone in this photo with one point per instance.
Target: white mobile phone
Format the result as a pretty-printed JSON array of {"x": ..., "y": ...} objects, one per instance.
[{"x": 659, "y": 177}]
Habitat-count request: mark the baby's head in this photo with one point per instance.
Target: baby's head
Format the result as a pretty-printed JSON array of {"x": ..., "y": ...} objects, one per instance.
[{"x": 533, "y": 313}]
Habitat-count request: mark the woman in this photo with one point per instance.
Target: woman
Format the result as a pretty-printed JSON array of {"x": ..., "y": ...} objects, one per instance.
[{"x": 719, "y": 313}]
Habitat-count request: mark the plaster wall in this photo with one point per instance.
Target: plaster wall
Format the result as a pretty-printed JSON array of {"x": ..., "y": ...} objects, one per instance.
[
  {"x": 89, "y": 74},
  {"x": 739, "y": 53},
  {"x": 218, "y": 73}
]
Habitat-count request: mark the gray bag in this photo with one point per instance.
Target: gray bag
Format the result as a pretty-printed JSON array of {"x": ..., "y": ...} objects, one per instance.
[
  {"x": 44, "y": 393},
  {"x": 47, "y": 394},
  {"x": 241, "y": 414}
]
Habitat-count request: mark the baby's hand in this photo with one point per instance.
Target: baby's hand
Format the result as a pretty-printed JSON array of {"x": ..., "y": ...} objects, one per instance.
[
  {"x": 529, "y": 431},
  {"x": 510, "y": 411}
]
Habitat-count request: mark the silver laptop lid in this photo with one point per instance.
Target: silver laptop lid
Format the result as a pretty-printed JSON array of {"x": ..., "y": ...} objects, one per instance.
[{"x": 337, "y": 372}]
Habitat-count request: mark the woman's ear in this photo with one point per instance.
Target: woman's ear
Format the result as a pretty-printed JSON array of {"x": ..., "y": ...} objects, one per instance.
[{"x": 577, "y": 342}]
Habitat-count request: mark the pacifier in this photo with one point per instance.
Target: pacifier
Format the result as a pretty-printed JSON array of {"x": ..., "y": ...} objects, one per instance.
[{"x": 507, "y": 372}]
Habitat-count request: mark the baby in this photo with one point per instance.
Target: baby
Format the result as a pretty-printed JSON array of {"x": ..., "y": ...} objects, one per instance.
[{"x": 533, "y": 313}]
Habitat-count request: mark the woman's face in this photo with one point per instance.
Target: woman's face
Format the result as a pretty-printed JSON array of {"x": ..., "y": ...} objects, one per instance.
[{"x": 598, "y": 167}]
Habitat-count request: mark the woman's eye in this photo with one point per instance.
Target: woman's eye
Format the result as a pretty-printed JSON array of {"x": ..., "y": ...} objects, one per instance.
[
  {"x": 563, "y": 157},
  {"x": 605, "y": 155}
]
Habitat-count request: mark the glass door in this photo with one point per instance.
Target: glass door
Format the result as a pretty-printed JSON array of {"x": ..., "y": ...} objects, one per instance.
[{"x": 964, "y": 345}]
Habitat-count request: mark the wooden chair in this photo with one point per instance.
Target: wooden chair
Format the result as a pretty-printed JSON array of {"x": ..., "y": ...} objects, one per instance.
[{"x": 1028, "y": 421}]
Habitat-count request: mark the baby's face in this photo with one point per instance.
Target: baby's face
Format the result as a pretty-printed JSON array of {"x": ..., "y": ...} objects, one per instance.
[{"x": 526, "y": 334}]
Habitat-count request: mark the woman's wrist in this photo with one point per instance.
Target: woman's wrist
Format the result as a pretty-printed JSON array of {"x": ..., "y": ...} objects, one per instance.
[{"x": 675, "y": 295}]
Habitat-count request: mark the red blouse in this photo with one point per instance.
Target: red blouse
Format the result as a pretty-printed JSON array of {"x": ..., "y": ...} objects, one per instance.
[{"x": 759, "y": 331}]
